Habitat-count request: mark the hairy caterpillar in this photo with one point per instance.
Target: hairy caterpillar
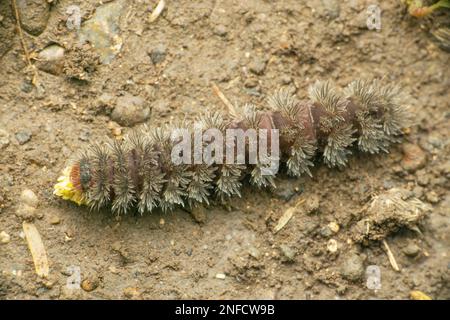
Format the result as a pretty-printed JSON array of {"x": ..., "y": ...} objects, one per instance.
[{"x": 138, "y": 172}]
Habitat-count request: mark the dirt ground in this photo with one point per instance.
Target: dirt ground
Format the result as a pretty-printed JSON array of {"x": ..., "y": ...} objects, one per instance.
[{"x": 249, "y": 49}]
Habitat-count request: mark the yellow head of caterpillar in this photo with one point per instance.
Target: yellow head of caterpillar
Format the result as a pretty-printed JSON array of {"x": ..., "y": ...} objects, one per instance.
[{"x": 67, "y": 189}]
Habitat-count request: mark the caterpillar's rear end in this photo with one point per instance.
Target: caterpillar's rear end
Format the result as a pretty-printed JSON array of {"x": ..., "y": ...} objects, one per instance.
[{"x": 139, "y": 172}]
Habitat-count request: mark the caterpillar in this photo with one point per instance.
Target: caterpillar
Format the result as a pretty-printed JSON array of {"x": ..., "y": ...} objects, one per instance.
[{"x": 139, "y": 174}]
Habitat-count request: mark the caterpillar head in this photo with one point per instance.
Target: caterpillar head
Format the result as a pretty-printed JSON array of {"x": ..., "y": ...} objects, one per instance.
[{"x": 70, "y": 184}]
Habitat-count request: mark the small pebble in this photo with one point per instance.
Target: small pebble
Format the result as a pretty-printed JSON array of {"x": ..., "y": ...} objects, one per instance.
[
  {"x": 288, "y": 252},
  {"x": 285, "y": 79},
  {"x": 105, "y": 99},
  {"x": 55, "y": 220},
  {"x": 414, "y": 157},
  {"x": 326, "y": 232},
  {"x": 220, "y": 276},
  {"x": 423, "y": 179},
  {"x": 130, "y": 110},
  {"x": 329, "y": 8},
  {"x": 254, "y": 252},
  {"x": 51, "y": 59},
  {"x": 432, "y": 197},
  {"x": 89, "y": 284},
  {"x": 131, "y": 292},
  {"x": 333, "y": 227},
  {"x": 4, "y": 139},
  {"x": 113, "y": 269},
  {"x": 332, "y": 245},
  {"x": 199, "y": 213},
  {"x": 418, "y": 191},
  {"x": 388, "y": 184},
  {"x": 353, "y": 268},
  {"x": 251, "y": 83},
  {"x": 26, "y": 212},
  {"x": 28, "y": 197},
  {"x": 312, "y": 204},
  {"x": 220, "y": 30},
  {"x": 411, "y": 250},
  {"x": 23, "y": 136},
  {"x": 256, "y": 92},
  {"x": 258, "y": 66},
  {"x": 285, "y": 190},
  {"x": 445, "y": 168},
  {"x": 4, "y": 237},
  {"x": 26, "y": 86},
  {"x": 158, "y": 54},
  {"x": 84, "y": 135}
]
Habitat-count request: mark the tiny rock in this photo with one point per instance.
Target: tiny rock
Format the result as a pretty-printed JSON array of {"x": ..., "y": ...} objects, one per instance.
[
  {"x": 4, "y": 237},
  {"x": 55, "y": 220},
  {"x": 286, "y": 190},
  {"x": 432, "y": 197},
  {"x": 102, "y": 30},
  {"x": 199, "y": 214},
  {"x": 130, "y": 110},
  {"x": 220, "y": 30},
  {"x": 326, "y": 232},
  {"x": 28, "y": 197},
  {"x": 115, "y": 128},
  {"x": 332, "y": 245},
  {"x": 285, "y": 79},
  {"x": 258, "y": 66},
  {"x": 353, "y": 268},
  {"x": 34, "y": 15},
  {"x": 158, "y": 54},
  {"x": 131, "y": 292},
  {"x": 23, "y": 136},
  {"x": 51, "y": 59},
  {"x": 105, "y": 99},
  {"x": 220, "y": 276},
  {"x": 26, "y": 86},
  {"x": 333, "y": 227},
  {"x": 288, "y": 253},
  {"x": 330, "y": 9},
  {"x": 411, "y": 250},
  {"x": 4, "y": 139},
  {"x": 254, "y": 252},
  {"x": 414, "y": 157},
  {"x": 312, "y": 204},
  {"x": 251, "y": 83},
  {"x": 89, "y": 284},
  {"x": 26, "y": 212}
]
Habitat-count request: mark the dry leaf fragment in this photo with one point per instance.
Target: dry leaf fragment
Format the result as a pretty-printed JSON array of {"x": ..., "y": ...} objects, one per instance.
[
  {"x": 391, "y": 256},
  {"x": 286, "y": 216},
  {"x": 419, "y": 295},
  {"x": 37, "y": 249}
]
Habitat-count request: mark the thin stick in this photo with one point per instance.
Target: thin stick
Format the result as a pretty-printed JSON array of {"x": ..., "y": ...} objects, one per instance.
[
  {"x": 391, "y": 256},
  {"x": 22, "y": 41},
  {"x": 225, "y": 101},
  {"x": 159, "y": 8}
]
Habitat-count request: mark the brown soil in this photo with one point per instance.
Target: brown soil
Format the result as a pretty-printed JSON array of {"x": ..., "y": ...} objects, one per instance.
[{"x": 249, "y": 48}]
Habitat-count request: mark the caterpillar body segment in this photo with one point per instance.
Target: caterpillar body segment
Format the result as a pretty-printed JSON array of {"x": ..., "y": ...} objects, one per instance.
[{"x": 139, "y": 172}]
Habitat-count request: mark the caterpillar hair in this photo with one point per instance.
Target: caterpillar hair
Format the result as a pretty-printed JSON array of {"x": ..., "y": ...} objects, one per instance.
[{"x": 139, "y": 173}]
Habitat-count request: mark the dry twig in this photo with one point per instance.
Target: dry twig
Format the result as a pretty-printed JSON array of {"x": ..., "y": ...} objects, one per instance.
[
  {"x": 391, "y": 256},
  {"x": 159, "y": 8},
  {"x": 22, "y": 41},
  {"x": 225, "y": 101}
]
